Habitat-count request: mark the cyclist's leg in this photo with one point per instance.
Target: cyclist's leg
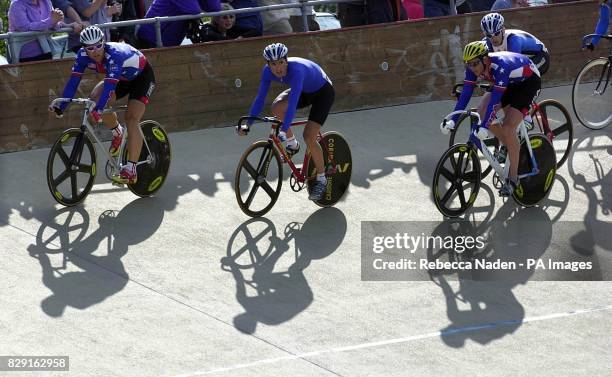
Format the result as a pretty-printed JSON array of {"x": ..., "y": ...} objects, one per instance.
[
  {"x": 322, "y": 101},
  {"x": 512, "y": 119},
  {"x": 279, "y": 108},
  {"x": 110, "y": 119},
  {"x": 135, "y": 111},
  {"x": 311, "y": 131}
]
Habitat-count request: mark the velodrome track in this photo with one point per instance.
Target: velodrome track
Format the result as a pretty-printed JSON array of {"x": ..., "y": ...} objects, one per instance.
[{"x": 147, "y": 287}]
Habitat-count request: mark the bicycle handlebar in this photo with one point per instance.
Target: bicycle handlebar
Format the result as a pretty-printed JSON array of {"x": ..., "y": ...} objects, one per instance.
[
  {"x": 81, "y": 101},
  {"x": 469, "y": 113},
  {"x": 483, "y": 85},
  {"x": 591, "y": 36}
]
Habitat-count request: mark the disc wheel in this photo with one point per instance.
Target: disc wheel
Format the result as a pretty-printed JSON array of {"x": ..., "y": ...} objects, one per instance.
[
  {"x": 456, "y": 180},
  {"x": 553, "y": 114},
  {"x": 258, "y": 179},
  {"x": 71, "y": 167},
  {"x": 461, "y": 134},
  {"x": 592, "y": 94},
  {"x": 339, "y": 165},
  {"x": 536, "y": 187},
  {"x": 152, "y": 175}
]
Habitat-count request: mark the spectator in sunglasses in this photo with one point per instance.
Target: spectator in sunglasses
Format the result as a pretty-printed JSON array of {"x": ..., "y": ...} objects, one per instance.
[{"x": 215, "y": 30}]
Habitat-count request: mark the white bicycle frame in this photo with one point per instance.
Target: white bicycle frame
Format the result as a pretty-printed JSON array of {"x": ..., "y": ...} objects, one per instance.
[
  {"x": 474, "y": 136},
  {"x": 89, "y": 106}
]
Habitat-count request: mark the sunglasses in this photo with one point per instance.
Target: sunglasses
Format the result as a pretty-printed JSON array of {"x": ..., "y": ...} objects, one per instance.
[
  {"x": 473, "y": 64},
  {"x": 94, "y": 47},
  {"x": 494, "y": 34}
]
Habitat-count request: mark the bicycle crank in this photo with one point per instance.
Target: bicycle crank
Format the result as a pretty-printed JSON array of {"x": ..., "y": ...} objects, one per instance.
[{"x": 295, "y": 184}]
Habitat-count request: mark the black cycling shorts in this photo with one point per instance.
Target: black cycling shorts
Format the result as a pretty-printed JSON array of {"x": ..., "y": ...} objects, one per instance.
[
  {"x": 321, "y": 101},
  {"x": 542, "y": 61},
  {"x": 522, "y": 94},
  {"x": 140, "y": 88}
]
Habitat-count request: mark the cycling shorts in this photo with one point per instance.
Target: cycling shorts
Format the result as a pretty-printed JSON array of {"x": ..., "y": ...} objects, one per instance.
[{"x": 139, "y": 88}]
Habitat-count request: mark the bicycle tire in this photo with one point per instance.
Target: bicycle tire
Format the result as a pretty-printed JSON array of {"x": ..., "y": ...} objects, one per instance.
[
  {"x": 268, "y": 154},
  {"x": 456, "y": 177},
  {"x": 535, "y": 188},
  {"x": 489, "y": 142},
  {"x": 77, "y": 193},
  {"x": 557, "y": 127},
  {"x": 152, "y": 176},
  {"x": 581, "y": 105},
  {"x": 335, "y": 145}
]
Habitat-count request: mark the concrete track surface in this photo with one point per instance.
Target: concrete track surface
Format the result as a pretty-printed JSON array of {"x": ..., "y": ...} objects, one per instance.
[{"x": 185, "y": 284}]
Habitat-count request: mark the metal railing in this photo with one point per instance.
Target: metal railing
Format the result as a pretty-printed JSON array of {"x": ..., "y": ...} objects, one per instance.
[{"x": 18, "y": 39}]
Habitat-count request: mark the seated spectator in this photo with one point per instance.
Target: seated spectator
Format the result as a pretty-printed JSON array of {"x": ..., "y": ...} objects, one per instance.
[
  {"x": 414, "y": 9},
  {"x": 95, "y": 12},
  {"x": 173, "y": 32},
  {"x": 35, "y": 15},
  {"x": 507, "y": 4},
  {"x": 215, "y": 30},
  {"x": 129, "y": 11},
  {"x": 275, "y": 21},
  {"x": 247, "y": 24}
]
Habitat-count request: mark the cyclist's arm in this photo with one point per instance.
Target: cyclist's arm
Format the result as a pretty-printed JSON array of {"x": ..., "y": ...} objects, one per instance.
[
  {"x": 602, "y": 24},
  {"x": 515, "y": 44},
  {"x": 466, "y": 93},
  {"x": 110, "y": 83},
  {"x": 297, "y": 85},
  {"x": 264, "y": 85},
  {"x": 75, "y": 79}
]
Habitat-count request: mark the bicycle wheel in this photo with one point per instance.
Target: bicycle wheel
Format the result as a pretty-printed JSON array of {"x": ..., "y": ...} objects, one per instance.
[
  {"x": 259, "y": 168},
  {"x": 592, "y": 95},
  {"x": 536, "y": 187},
  {"x": 338, "y": 170},
  {"x": 553, "y": 114},
  {"x": 152, "y": 175},
  {"x": 455, "y": 185},
  {"x": 71, "y": 167},
  {"x": 461, "y": 134}
]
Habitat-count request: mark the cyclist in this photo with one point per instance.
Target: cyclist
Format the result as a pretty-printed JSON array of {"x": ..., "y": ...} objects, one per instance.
[
  {"x": 127, "y": 73},
  {"x": 499, "y": 38},
  {"x": 308, "y": 85},
  {"x": 516, "y": 81},
  {"x": 602, "y": 25}
]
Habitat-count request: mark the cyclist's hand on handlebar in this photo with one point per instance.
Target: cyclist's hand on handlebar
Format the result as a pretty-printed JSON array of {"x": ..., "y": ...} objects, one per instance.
[
  {"x": 446, "y": 126},
  {"x": 242, "y": 129},
  {"x": 53, "y": 110},
  {"x": 589, "y": 46}
]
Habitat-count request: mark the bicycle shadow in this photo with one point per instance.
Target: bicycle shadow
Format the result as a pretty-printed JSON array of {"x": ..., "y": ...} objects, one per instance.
[
  {"x": 85, "y": 276},
  {"x": 483, "y": 307},
  {"x": 274, "y": 294}
]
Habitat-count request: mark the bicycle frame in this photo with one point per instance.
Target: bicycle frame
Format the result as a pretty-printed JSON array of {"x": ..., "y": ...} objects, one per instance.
[
  {"x": 86, "y": 127},
  {"x": 474, "y": 140}
]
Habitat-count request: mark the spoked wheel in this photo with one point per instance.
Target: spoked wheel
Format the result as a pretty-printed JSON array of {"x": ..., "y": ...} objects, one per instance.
[
  {"x": 553, "y": 114},
  {"x": 592, "y": 94},
  {"x": 461, "y": 134},
  {"x": 456, "y": 180},
  {"x": 71, "y": 167},
  {"x": 338, "y": 170},
  {"x": 535, "y": 188},
  {"x": 152, "y": 175},
  {"x": 258, "y": 179}
]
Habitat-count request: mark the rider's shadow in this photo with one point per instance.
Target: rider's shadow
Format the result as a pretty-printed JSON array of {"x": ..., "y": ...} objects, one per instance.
[
  {"x": 483, "y": 307},
  {"x": 274, "y": 294},
  {"x": 98, "y": 275}
]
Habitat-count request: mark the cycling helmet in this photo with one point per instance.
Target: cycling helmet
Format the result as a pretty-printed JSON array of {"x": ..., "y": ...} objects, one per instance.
[
  {"x": 275, "y": 51},
  {"x": 492, "y": 23},
  {"x": 474, "y": 50},
  {"x": 91, "y": 35}
]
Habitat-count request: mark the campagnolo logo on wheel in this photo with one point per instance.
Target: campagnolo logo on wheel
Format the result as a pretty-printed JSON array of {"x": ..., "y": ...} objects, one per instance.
[{"x": 340, "y": 167}]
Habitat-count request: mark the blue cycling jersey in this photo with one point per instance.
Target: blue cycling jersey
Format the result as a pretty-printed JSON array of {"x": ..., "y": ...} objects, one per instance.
[
  {"x": 518, "y": 41},
  {"x": 121, "y": 62},
  {"x": 302, "y": 76},
  {"x": 604, "y": 21},
  {"x": 506, "y": 69}
]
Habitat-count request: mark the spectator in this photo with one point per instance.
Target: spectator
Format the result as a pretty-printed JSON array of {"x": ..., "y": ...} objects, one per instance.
[
  {"x": 173, "y": 32},
  {"x": 215, "y": 30},
  {"x": 351, "y": 14},
  {"x": 35, "y": 15},
  {"x": 247, "y": 24},
  {"x": 275, "y": 21},
  {"x": 437, "y": 8},
  {"x": 507, "y": 4},
  {"x": 129, "y": 11},
  {"x": 481, "y": 5},
  {"x": 70, "y": 13},
  {"x": 96, "y": 12},
  {"x": 296, "y": 21},
  {"x": 414, "y": 9},
  {"x": 371, "y": 12}
]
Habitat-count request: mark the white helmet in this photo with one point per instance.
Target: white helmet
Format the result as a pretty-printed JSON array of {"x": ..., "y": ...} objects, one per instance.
[
  {"x": 275, "y": 51},
  {"x": 91, "y": 35},
  {"x": 492, "y": 23}
]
